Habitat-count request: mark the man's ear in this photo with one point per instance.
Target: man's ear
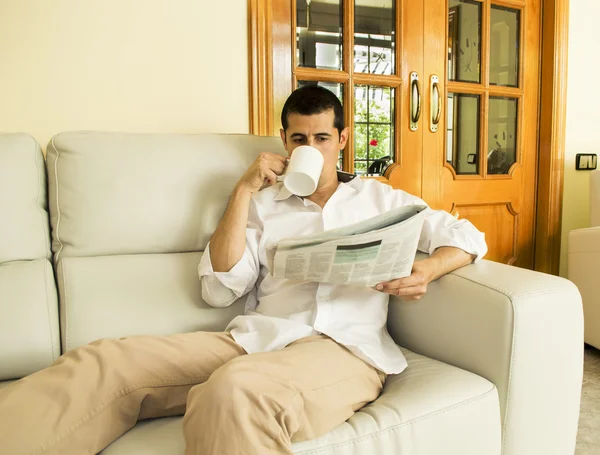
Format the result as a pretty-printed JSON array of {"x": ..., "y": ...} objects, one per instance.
[
  {"x": 282, "y": 134},
  {"x": 344, "y": 137}
]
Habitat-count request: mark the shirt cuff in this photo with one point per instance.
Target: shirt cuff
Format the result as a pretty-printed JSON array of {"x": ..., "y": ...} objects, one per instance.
[
  {"x": 464, "y": 236},
  {"x": 236, "y": 279}
]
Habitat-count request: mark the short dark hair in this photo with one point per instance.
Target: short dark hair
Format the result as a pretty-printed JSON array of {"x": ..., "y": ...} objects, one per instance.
[{"x": 311, "y": 100}]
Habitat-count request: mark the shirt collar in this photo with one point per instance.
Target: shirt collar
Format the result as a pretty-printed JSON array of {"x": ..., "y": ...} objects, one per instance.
[{"x": 356, "y": 184}]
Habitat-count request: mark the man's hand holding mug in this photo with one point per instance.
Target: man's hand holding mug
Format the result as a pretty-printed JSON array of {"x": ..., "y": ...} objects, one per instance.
[{"x": 301, "y": 177}]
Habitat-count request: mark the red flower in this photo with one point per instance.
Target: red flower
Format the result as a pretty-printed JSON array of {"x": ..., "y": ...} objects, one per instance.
[{"x": 373, "y": 142}]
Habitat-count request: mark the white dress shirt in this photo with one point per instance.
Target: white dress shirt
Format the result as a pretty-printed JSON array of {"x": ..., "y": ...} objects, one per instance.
[{"x": 281, "y": 311}]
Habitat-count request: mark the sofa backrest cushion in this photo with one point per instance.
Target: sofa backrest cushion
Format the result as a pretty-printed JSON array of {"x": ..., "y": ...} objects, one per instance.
[
  {"x": 24, "y": 227},
  {"x": 131, "y": 214},
  {"x": 113, "y": 193},
  {"x": 595, "y": 198},
  {"x": 150, "y": 294}
]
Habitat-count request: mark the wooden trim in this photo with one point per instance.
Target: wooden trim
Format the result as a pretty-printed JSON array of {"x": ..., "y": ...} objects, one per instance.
[
  {"x": 520, "y": 139},
  {"x": 315, "y": 74},
  {"x": 466, "y": 88},
  {"x": 293, "y": 37},
  {"x": 348, "y": 66},
  {"x": 260, "y": 54},
  {"x": 377, "y": 79},
  {"x": 398, "y": 96},
  {"x": 484, "y": 71},
  {"x": 523, "y": 13},
  {"x": 477, "y": 89},
  {"x": 283, "y": 35},
  {"x": 484, "y": 108},
  {"x": 503, "y": 91},
  {"x": 555, "y": 30},
  {"x": 514, "y": 4}
]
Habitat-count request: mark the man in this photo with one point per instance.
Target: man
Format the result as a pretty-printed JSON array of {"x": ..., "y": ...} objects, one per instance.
[{"x": 302, "y": 360}]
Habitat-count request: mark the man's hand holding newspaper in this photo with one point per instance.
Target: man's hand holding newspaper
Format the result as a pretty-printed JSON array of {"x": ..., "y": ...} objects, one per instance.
[{"x": 376, "y": 250}]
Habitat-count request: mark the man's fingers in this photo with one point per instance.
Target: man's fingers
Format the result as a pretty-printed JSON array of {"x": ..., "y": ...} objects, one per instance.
[
  {"x": 271, "y": 160},
  {"x": 276, "y": 163},
  {"x": 270, "y": 176},
  {"x": 410, "y": 290},
  {"x": 274, "y": 158},
  {"x": 410, "y": 293},
  {"x": 278, "y": 167},
  {"x": 279, "y": 157},
  {"x": 270, "y": 170},
  {"x": 412, "y": 280}
]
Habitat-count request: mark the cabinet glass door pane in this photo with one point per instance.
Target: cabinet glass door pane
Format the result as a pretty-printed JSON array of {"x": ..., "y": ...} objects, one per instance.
[
  {"x": 464, "y": 41},
  {"x": 373, "y": 129},
  {"x": 374, "y": 36},
  {"x": 462, "y": 134},
  {"x": 319, "y": 34},
  {"x": 502, "y": 134},
  {"x": 338, "y": 90},
  {"x": 504, "y": 46}
]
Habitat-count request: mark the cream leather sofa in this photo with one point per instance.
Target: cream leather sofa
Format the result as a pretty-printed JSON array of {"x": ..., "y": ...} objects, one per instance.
[
  {"x": 584, "y": 264},
  {"x": 494, "y": 352}
]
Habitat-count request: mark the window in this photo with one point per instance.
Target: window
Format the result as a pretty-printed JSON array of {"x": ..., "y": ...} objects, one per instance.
[{"x": 364, "y": 79}]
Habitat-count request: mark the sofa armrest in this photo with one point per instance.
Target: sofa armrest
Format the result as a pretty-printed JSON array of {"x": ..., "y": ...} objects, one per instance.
[
  {"x": 584, "y": 263},
  {"x": 521, "y": 330}
]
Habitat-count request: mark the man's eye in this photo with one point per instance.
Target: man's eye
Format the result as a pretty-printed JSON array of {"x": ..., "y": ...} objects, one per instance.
[
  {"x": 322, "y": 139},
  {"x": 298, "y": 141}
]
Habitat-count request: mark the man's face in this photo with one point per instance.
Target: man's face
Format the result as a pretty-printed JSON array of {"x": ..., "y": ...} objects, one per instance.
[{"x": 317, "y": 131}]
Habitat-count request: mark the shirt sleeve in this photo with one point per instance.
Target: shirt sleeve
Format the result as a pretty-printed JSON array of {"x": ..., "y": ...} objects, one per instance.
[
  {"x": 441, "y": 229},
  {"x": 221, "y": 289}
]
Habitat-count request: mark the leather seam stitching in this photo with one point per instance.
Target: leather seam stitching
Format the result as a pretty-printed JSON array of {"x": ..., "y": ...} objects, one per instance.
[{"x": 57, "y": 257}]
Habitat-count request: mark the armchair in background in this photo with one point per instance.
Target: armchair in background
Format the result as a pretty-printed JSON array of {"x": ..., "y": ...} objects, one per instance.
[{"x": 584, "y": 264}]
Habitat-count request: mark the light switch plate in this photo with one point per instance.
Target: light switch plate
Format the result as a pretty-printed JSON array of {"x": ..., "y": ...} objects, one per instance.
[{"x": 586, "y": 161}]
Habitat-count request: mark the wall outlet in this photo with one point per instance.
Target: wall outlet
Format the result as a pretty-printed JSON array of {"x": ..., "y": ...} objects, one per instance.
[{"x": 586, "y": 161}]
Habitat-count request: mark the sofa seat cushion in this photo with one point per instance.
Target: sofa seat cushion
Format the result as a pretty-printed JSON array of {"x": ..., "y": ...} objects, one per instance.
[
  {"x": 431, "y": 408},
  {"x": 145, "y": 294},
  {"x": 29, "y": 323}
]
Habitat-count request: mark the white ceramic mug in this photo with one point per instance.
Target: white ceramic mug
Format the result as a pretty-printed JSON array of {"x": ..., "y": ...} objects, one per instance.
[{"x": 303, "y": 171}]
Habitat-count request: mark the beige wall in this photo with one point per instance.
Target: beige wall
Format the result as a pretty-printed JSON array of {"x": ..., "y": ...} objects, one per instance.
[
  {"x": 126, "y": 65},
  {"x": 583, "y": 129}
]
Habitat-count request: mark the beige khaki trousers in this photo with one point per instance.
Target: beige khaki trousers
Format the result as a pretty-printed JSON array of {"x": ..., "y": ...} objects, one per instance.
[{"x": 234, "y": 403}]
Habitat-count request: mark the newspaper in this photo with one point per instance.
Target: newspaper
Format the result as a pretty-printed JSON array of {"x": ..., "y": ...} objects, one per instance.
[{"x": 372, "y": 251}]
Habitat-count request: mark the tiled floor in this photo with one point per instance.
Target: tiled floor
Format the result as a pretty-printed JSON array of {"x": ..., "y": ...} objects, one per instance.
[{"x": 588, "y": 438}]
